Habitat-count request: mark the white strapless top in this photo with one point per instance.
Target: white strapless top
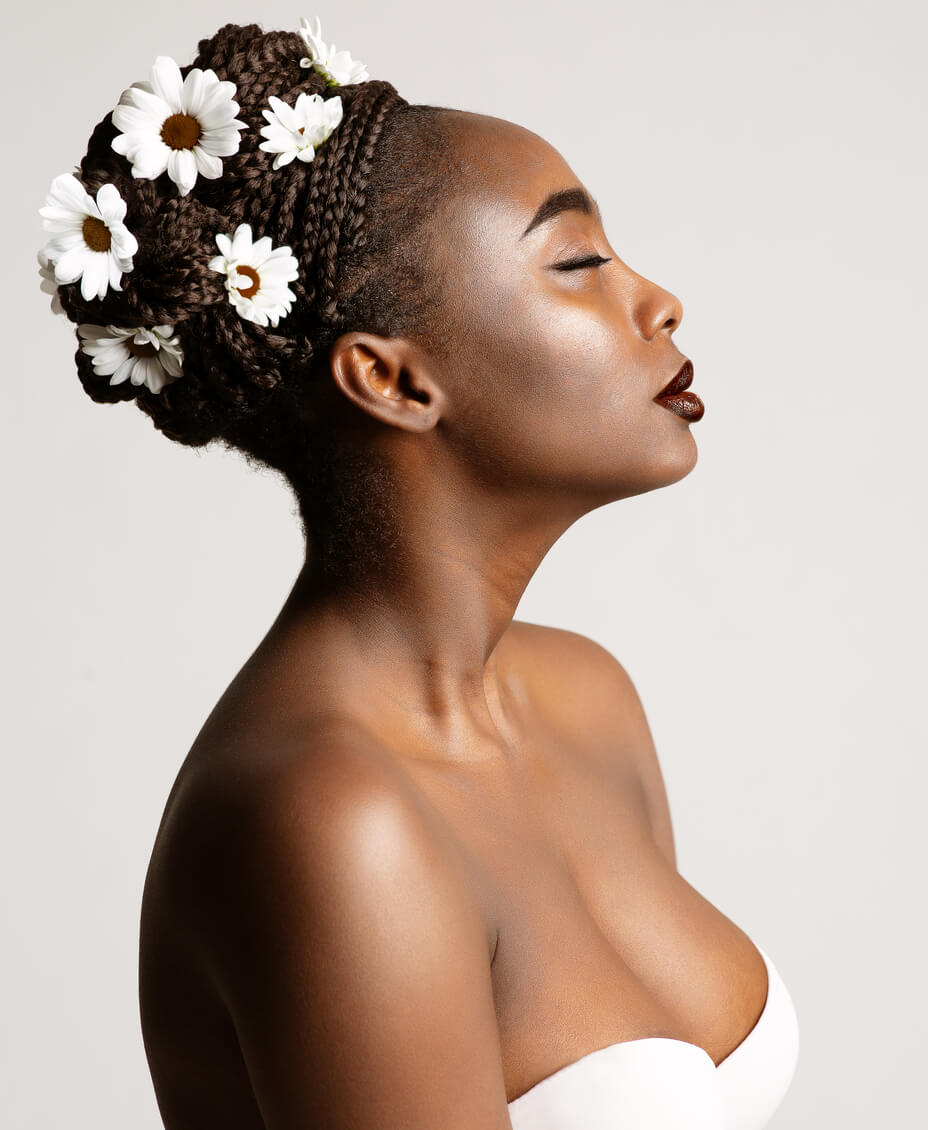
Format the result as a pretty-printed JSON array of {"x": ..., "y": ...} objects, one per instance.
[{"x": 658, "y": 1083}]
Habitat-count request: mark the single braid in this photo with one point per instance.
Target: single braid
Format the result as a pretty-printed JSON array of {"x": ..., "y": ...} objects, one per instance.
[
  {"x": 334, "y": 215},
  {"x": 361, "y": 176}
]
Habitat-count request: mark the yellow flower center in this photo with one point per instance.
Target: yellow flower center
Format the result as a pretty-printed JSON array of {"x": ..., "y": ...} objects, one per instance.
[
  {"x": 180, "y": 131},
  {"x": 96, "y": 234},
  {"x": 141, "y": 348},
  {"x": 251, "y": 273}
]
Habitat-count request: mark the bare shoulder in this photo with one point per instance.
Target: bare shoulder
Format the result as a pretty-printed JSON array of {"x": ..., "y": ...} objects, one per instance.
[
  {"x": 569, "y": 666},
  {"x": 555, "y": 647},
  {"x": 352, "y": 959}
]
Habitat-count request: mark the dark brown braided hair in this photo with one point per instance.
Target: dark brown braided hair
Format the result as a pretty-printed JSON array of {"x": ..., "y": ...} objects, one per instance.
[{"x": 353, "y": 217}]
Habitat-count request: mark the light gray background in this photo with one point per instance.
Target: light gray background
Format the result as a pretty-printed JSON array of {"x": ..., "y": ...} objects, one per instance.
[{"x": 766, "y": 163}]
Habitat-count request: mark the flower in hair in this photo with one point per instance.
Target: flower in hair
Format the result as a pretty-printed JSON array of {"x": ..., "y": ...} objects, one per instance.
[
  {"x": 48, "y": 284},
  {"x": 89, "y": 240},
  {"x": 151, "y": 357},
  {"x": 336, "y": 67},
  {"x": 181, "y": 126},
  {"x": 256, "y": 275},
  {"x": 296, "y": 131}
]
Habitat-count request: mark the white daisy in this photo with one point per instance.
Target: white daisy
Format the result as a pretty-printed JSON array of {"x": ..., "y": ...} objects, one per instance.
[
  {"x": 90, "y": 242},
  {"x": 336, "y": 67},
  {"x": 256, "y": 275},
  {"x": 182, "y": 126},
  {"x": 48, "y": 284},
  {"x": 151, "y": 357},
  {"x": 296, "y": 131}
]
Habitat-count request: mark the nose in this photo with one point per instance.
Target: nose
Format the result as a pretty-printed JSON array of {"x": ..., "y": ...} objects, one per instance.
[{"x": 656, "y": 309}]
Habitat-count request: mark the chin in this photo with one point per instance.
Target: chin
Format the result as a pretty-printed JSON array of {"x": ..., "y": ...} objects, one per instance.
[
  {"x": 663, "y": 468},
  {"x": 679, "y": 462}
]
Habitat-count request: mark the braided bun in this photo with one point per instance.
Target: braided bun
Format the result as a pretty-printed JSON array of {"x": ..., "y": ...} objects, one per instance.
[{"x": 350, "y": 216}]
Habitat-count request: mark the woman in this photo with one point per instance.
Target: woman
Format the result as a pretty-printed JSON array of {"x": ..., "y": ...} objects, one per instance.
[{"x": 417, "y": 869}]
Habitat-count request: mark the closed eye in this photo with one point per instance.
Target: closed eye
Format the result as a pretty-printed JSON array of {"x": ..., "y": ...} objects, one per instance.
[{"x": 589, "y": 261}]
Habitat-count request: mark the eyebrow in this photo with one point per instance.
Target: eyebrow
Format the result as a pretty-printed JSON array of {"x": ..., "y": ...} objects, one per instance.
[{"x": 562, "y": 200}]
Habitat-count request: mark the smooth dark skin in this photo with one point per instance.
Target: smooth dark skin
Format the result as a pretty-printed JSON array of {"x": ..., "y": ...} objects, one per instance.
[{"x": 420, "y": 855}]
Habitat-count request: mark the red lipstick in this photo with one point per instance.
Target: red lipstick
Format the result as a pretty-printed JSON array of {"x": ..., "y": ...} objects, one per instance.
[{"x": 675, "y": 397}]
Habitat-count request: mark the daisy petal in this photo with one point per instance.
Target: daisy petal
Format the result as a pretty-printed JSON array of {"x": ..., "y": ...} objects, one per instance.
[
  {"x": 139, "y": 373},
  {"x": 216, "y": 98},
  {"x": 95, "y": 276},
  {"x": 123, "y": 243},
  {"x": 123, "y": 371},
  {"x": 149, "y": 103},
  {"x": 150, "y": 160},
  {"x": 285, "y": 114},
  {"x": 195, "y": 86},
  {"x": 222, "y": 117},
  {"x": 241, "y": 241},
  {"x": 111, "y": 204},
  {"x": 166, "y": 82},
  {"x": 221, "y": 142},
  {"x": 63, "y": 234},
  {"x": 182, "y": 169},
  {"x": 68, "y": 267},
  {"x": 114, "y": 272},
  {"x": 170, "y": 363},
  {"x": 260, "y": 250},
  {"x": 68, "y": 192},
  {"x": 59, "y": 219},
  {"x": 207, "y": 165},
  {"x": 132, "y": 120}
]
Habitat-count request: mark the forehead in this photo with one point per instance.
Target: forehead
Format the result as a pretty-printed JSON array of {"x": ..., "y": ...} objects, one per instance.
[
  {"x": 501, "y": 151},
  {"x": 505, "y": 173}
]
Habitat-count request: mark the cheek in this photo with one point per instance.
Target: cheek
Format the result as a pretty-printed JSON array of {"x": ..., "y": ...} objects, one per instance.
[
  {"x": 564, "y": 375},
  {"x": 553, "y": 389}
]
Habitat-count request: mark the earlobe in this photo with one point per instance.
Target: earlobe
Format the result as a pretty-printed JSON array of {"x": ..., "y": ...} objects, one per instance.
[{"x": 382, "y": 376}]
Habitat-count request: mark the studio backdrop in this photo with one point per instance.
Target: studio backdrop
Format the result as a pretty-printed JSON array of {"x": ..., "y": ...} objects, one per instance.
[{"x": 764, "y": 162}]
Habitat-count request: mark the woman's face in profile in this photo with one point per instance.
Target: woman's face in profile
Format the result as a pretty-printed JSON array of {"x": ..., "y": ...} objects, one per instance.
[{"x": 552, "y": 379}]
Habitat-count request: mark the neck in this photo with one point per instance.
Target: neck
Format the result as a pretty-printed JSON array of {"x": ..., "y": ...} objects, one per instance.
[{"x": 409, "y": 635}]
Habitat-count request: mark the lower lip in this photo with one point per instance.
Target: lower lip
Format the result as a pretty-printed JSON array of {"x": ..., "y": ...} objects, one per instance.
[{"x": 685, "y": 404}]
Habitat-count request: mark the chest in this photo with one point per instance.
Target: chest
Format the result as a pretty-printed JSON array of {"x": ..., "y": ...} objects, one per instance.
[{"x": 599, "y": 938}]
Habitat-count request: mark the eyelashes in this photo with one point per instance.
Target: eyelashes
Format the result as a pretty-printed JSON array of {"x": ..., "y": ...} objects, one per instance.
[{"x": 576, "y": 264}]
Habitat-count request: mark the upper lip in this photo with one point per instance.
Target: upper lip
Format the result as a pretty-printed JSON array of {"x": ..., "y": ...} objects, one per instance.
[{"x": 682, "y": 380}]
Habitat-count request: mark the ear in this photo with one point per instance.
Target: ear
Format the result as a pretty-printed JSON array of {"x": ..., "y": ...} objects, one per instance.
[{"x": 387, "y": 378}]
